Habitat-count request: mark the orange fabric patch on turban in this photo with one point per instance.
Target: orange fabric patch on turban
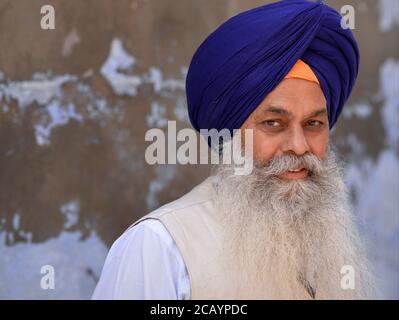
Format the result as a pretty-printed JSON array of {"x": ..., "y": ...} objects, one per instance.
[{"x": 302, "y": 70}]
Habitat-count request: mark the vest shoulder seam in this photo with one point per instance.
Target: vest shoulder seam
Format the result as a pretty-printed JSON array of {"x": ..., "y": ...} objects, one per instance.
[{"x": 175, "y": 210}]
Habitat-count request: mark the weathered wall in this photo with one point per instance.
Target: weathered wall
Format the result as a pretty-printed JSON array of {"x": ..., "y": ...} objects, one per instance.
[{"x": 75, "y": 103}]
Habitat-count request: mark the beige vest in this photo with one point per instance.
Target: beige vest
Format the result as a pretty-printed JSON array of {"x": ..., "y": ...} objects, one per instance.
[{"x": 192, "y": 223}]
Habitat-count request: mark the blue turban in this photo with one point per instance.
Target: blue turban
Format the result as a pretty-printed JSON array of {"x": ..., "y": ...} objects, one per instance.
[{"x": 245, "y": 58}]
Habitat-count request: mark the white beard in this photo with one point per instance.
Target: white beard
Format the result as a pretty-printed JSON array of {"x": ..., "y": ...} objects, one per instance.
[{"x": 289, "y": 235}]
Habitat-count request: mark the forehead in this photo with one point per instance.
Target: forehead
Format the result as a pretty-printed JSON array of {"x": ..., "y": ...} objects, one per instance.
[{"x": 294, "y": 97}]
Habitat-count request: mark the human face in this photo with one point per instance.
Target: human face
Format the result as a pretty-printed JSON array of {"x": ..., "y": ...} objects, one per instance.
[{"x": 291, "y": 119}]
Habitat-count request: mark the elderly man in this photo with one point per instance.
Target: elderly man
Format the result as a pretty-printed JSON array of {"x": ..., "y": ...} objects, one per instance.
[{"x": 285, "y": 231}]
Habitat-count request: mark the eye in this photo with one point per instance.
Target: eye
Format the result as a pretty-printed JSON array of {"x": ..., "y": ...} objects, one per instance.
[
  {"x": 315, "y": 123},
  {"x": 272, "y": 123}
]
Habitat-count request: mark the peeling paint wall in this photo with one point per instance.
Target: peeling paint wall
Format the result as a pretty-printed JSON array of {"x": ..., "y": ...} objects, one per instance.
[{"x": 75, "y": 103}]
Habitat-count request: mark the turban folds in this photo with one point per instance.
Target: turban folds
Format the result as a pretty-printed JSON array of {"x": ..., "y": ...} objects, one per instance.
[{"x": 246, "y": 57}]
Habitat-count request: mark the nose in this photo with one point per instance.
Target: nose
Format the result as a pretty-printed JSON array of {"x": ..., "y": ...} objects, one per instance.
[{"x": 296, "y": 142}]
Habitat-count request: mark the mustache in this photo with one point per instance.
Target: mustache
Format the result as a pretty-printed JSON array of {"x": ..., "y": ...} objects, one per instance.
[{"x": 282, "y": 163}]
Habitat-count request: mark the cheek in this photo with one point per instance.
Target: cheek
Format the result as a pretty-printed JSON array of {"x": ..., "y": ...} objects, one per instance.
[
  {"x": 318, "y": 145},
  {"x": 265, "y": 146}
]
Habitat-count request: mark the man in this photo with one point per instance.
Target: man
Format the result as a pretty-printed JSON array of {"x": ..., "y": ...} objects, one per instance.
[{"x": 285, "y": 231}]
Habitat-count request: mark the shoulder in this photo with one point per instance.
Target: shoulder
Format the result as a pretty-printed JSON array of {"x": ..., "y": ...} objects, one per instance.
[
  {"x": 133, "y": 266},
  {"x": 149, "y": 232},
  {"x": 200, "y": 196}
]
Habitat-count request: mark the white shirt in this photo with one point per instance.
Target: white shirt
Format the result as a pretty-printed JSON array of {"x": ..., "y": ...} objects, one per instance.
[{"x": 144, "y": 263}]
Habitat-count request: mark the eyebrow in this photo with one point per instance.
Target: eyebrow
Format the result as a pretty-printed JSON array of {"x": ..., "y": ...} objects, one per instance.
[{"x": 284, "y": 112}]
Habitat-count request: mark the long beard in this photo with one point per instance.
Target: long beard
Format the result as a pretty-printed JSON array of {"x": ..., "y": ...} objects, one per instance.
[{"x": 291, "y": 239}]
